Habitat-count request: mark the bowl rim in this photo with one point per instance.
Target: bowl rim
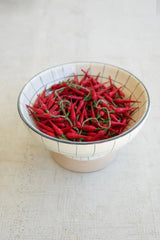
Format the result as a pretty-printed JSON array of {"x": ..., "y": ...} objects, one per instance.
[{"x": 83, "y": 143}]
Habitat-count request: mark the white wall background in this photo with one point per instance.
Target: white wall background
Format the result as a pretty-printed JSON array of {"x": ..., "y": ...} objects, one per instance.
[{"x": 40, "y": 200}]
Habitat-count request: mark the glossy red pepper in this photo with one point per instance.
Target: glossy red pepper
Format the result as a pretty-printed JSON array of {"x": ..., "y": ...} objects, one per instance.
[
  {"x": 42, "y": 125},
  {"x": 50, "y": 101},
  {"x": 99, "y": 85},
  {"x": 122, "y": 110},
  {"x": 89, "y": 128},
  {"x": 43, "y": 96},
  {"x": 121, "y": 101},
  {"x": 116, "y": 123},
  {"x": 80, "y": 106},
  {"x": 73, "y": 114},
  {"x": 92, "y": 111},
  {"x": 76, "y": 79},
  {"x": 72, "y": 135},
  {"x": 80, "y": 93},
  {"x": 74, "y": 97},
  {"x": 35, "y": 110},
  {"x": 56, "y": 129},
  {"x": 46, "y": 132}
]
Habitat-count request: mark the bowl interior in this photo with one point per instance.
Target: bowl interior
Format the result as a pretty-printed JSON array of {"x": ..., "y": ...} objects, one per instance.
[{"x": 129, "y": 83}]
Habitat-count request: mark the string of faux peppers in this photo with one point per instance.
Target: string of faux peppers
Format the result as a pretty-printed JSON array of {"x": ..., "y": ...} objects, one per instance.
[{"x": 82, "y": 110}]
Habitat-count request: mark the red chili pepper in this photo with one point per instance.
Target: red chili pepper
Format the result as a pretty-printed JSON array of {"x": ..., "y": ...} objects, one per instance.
[
  {"x": 80, "y": 105},
  {"x": 133, "y": 110},
  {"x": 75, "y": 79},
  {"x": 113, "y": 123},
  {"x": 78, "y": 125},
  {"x": 89, "y": 128},
  {"x": 122, "y": 110},
  {"x": 93, "y": 94},
  {"x": 42, "y": 125},
  {"x": 74, "y": 97},
  {"x": 104, "y": 125},
  {"x": 85, "y": 90},
  {"x": 94, "y": 81},
  {"x": 43, "y": 96},
  {"x": 67, "y": 124},
  {"x": 73, "y": 114},
  {"x": 60, "y": 125},
  {"x": 46, "y": 132},
  {"x": 66, "y": 129},
  {"x": 43, "y": 105},
  {"x": 120, "y": 100},
  {"x": 114, "y": 117},
  {"x": 104, "y": 104},
  {"x": 102, "y": 91},
  {"x": 85, "y": 76},
  {"x": 54, "y": 119},
  {"x": 55, "y": 113},
  {"x": 121, "y": 93},
  {"x": 99, "y": 85},
  {"x": 55, "y": 107},
  {"x": 111, "y": 94},
  {"x": 101, "y": 113},
  {"x": 97, "y": 77},
  {"x": 128, "y": 104},
  {"x": 50, "y": 100},
  {"x": 36, "y": 103},
  {"x": 92, "y": 110},
  {"x": 108, "y": 98},
  {"x": 57, "y": 130},
  {"x": 91, "y": 134},
  {"x": 77, "y": 91},
  {"x": 110, "y": 80},
  {"x": 56, "y": 86},
  {"x": 124, "y": 121},
  {"x": 72, "y": 135},
  {"x": 75, "y": 103},
  {"x": 85, "y": 114},
  {"x": 90, "y": 138},
  {"x": 44, "y": 115},
  {"x": 100, "y": 133},
  {"x": 128, "y": 116},
  {"x": 81, "y": 118},
  {"x": 113, "y": 130},
  {"x": 58, "y": 119},
  {"x": 72, "y": 130},
  {"x": 94, "y": 138},
  {"x": 63, "y": 92},
  {"x": 122, "y": 127},
  {"x": 109, "y": 88},
  {"x": 86, "y": 82},
  {"x": 36, "y": 110}
]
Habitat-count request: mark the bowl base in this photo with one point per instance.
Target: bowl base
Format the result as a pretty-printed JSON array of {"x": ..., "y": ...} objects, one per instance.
[{"x": 82, "y": 166}]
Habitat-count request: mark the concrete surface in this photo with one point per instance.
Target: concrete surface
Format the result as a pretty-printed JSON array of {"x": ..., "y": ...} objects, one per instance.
[{"x": 39, "y": 199}]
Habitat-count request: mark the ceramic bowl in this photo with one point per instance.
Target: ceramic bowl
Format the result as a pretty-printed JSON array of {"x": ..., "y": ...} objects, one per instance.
[{"x": 85, "y": 156}]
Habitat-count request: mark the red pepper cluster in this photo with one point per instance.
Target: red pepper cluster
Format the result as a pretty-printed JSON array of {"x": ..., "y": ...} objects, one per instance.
[{"x": 82, "y": 110}]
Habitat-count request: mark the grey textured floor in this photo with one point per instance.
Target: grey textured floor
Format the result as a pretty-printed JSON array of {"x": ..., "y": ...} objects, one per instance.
[{"x": 40, "y": 200}]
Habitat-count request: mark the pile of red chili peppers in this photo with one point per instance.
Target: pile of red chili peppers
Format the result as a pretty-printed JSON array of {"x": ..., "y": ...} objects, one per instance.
[{"x": 82, "y": 110}]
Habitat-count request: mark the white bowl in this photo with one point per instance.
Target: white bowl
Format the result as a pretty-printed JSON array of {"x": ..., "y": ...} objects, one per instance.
[{"x": 85, "y": 156}]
